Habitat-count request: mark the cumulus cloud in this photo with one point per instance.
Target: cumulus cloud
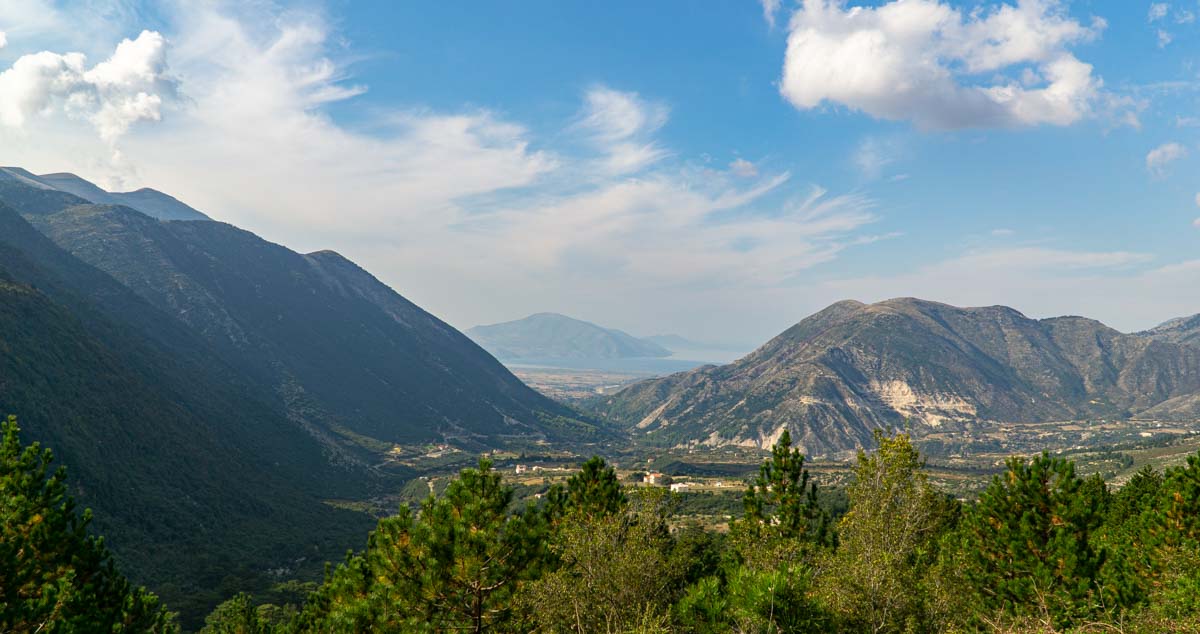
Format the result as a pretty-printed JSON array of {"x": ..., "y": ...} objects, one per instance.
[
  {"x": 927, "y": 62},
  {"x": 1158, "y": 11},
  {"x": 128, "y": 87},
  {"x": 1158, "y": 159}
]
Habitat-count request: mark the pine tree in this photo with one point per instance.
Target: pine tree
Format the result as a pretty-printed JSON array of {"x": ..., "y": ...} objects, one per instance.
[
  {"x": 54, "y": 576},
  {"x": 454, "y": 566},
  {"x": 782, "y": 501},
  {"x": 1171, "y": 531},
  {"x": 1027, "y": 546},
  {"x": 595, "y": 490}
]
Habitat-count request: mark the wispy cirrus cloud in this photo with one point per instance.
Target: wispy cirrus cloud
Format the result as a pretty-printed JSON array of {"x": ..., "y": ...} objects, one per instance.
[{"x": 469, "y": 212}]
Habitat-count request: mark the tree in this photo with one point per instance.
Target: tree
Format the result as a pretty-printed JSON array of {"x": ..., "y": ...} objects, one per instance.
[
  {"x": 235, "y": 616},
  {"x": 54, "y": 576},
  {"x": 1027, "y": 546},
  {"x": 781, "y": 500},
  {"x": 765, "y": 587},
  {"x": 1171, "y": 530},
  {"x": 454, "y": 566},
  {"x": 595, "y": 490},
  {"x": 616, "y": 570},
  {"x": 888, "y": 540}
]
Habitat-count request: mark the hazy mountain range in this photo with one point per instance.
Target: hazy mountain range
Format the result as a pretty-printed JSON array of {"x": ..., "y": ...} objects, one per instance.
[
  {"x": 853, "y": 367},
  {"x": 550, "y": 337},
  {"x": 554, "y": 336}
]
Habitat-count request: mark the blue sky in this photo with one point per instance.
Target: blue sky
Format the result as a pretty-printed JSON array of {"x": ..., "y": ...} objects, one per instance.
[{"x": 716, "y": 169}]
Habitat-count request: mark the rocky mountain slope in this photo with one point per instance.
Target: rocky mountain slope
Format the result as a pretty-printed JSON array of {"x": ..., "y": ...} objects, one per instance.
[
  {"x": 1185, "y": 330},
  {"x": 554, "y": 336},
  {"x": 852, "y": 367}
]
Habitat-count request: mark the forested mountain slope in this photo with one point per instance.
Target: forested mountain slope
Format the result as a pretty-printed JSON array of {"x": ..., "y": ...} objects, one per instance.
[
  {"x": 346, "y": 354},
  {"x": 194, "y": 478}
]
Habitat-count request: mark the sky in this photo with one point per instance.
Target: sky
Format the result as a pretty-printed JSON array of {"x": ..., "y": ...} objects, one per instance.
[{"x": 718, "y": 170}]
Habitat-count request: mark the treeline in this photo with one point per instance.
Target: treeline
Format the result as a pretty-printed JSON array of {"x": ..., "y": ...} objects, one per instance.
[{"x": 1042, "y": 550}]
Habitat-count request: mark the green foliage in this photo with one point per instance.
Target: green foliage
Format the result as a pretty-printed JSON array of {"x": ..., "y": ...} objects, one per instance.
[
  {"x": 1026, "y": 548},
  {"x": 595, "y": 490},
  {"x": 782, "y": 501},
  {"x": 454, "y": 566},
  {"x": 749, "y": 600},
  {"x": 616, "y": 570},
  {"x": 887, "y": 542},
  {"x": 54, "y": 576}
]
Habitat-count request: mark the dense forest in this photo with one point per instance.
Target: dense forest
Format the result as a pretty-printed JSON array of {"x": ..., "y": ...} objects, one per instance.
[{"x": 1041, "y": 550}]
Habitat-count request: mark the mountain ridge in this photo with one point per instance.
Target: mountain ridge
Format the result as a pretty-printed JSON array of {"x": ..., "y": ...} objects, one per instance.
[{"x": 852, "y": 367}]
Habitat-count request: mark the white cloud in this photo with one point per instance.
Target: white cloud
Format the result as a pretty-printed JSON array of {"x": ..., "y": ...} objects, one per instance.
[
  {"x": 1164, "y": 38},
  {"x": 3, "y": 39},
  {"x": 742, "y": 167},
  {"x": 129, "y": 87},
  {"x": 874, "y": 154},
  {"x": 468, "y": 212},
  {"x": 1158, "y": 11},
  {"x": 928, "y": 62},
  {"x": 1002, "y": 233},
  {"x": 1198, "y": 200},
  {"x": 1196, "y": 223},
  {"x": 770, "y": 9},
  {"x": 1158, "y": 159},
  {"x": 621, "y": 124}
]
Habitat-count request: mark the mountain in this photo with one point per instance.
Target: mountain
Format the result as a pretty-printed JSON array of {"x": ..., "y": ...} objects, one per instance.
[
  {"x": 554, "y": 336},
  {"x": 151, "y": 202},
  {"x": 197, "y": 481},
  {"x": 675, "y": 343},
  {"x": 835, "y": 376},
  {"x": 213, "y": 393},
  {"x": 1184, "y": 330}
]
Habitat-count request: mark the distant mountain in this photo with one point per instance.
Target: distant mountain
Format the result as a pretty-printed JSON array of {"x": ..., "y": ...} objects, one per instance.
[
  {"x": 151, "y": 202},
  {"x": 675, "y": 342},
  {"x": 854, "y": 367},
  {"x": 554, "y": 336},
  {"x": 1185, "y": 330}
]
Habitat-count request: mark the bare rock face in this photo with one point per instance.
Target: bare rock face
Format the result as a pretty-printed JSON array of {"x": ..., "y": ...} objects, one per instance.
[{"x": 837, "y": 375}]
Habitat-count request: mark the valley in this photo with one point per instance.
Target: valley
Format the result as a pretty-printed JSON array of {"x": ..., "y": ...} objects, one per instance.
[{"x": 339, "y": 426}]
